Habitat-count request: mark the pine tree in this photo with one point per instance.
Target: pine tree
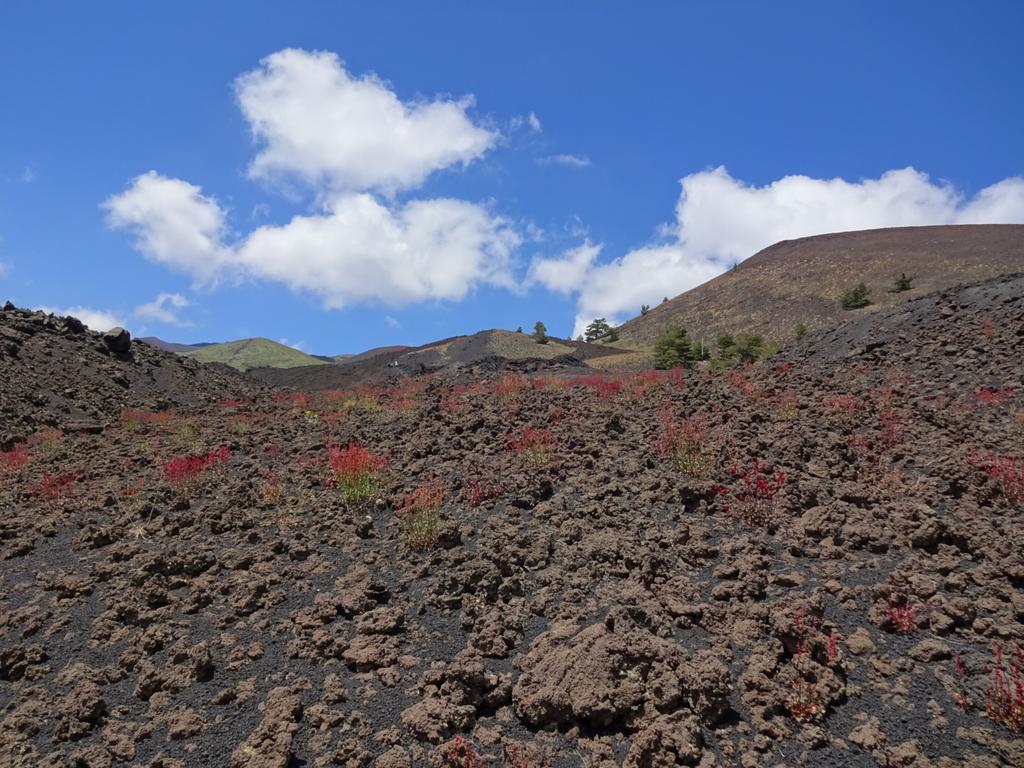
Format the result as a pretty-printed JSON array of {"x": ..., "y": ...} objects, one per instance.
[
  {"x": 540, "y": 333},
  {"x": 673, "y": 349}
]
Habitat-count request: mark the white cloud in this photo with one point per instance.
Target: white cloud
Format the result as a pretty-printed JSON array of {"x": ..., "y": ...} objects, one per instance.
[
  {"x": 564, "y": 273},
  {"x": 28, "y": 175},
  {"x": 392, "y": 321},
  {"x": 315, "y": 121},
  {"x": 5, "y": 268},
  {"x": 531, "y": 120},
  {"x": 174, "y": 224},
  {"x": 360, "y": 250},
  {"x": 162, "y": 309},
  {"x": 720, "y": 220},
  {"x": 96, "y": 319},
  {"x": 568, "y": 161}
]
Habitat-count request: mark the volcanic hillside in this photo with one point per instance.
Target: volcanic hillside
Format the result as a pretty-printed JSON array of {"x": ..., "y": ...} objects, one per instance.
[
  {"x": 57, "y": 373},
  {"x": 812, "y": 561},
  {"x": 489, "y": 349},
  {"x": 800, "y": 281}
]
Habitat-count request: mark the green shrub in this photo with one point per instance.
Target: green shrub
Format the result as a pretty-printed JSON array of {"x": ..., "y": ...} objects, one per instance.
[
  {"x": 597, "y": 329},
  {"x": 673, "y": 349},
  {"x": 856, "y": 297},
  {"x": 901, "y": 283},
  {"x": 801, "y": 330},
  {"x": 540, "y": 333}
]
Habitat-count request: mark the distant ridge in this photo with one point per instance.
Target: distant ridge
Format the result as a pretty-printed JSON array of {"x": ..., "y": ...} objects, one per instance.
[{"x": 800, "y": 281}]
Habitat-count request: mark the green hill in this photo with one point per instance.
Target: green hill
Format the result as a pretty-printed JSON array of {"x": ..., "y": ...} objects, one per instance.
[{"x": 253, "y": 353}]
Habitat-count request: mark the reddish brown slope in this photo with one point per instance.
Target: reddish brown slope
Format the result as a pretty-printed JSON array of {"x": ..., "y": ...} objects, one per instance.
[{"x": 800, "y": 280}]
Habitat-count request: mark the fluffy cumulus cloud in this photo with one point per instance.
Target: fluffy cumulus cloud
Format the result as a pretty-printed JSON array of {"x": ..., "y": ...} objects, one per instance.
[
  {"x": 355, "y": 144},
  {"x": 163, "y": 309},
  {"x": 361, "y": 250},
  {"x": 720, "y": 220},
  {"x": 174, "y": 224},
  {"x": 96, "y": 319},
  {"x": 358, "y": 249},
  {"x": 315, "y": 121},
  {"x": 564, "y": 273}
]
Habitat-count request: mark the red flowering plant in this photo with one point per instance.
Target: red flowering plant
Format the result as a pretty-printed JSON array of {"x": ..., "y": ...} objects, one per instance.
[
  {"x": 753, "y": 499},
  {"x": 420, "y": 513},
  {"x": 686, "y": 444},
  {"x": 1004, "y": 695},
  {"x": 806, "y": 699},
  {"x": 532, "y": 445},
  {"x": 479, "y": 490},
  {"x": 1006, "y": 472},
  {"x": 462, "y": 753},
  {"x": 184, "y": 473},
  {"x": 54, "y": 489},
  {"x": 358, "y": 472},
  {"x": 13, "y": 463}
]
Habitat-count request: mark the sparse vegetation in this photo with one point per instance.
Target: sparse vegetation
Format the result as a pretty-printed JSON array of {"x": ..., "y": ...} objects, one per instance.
[
  {"x": 856, "y": 297},
  {"x": 420, "y": 514},
  {"x": 901, "y": 283},
  {"x": 357, "y": 472}
]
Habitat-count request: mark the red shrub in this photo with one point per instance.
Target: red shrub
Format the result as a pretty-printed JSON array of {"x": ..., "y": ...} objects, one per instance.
[
  {"x": 1006, "y": 471},
  {"x": 685, "y": 444},
  {"x": 753, "y": 502},
  {"x": 902, "y": 617},
  {"x": 509, "y": 385},
  {"x": 676, "y": 378},
  {"x": 533, "y": 445},
  {"x": 354, "y": 461},
  {"x": 13, "y": 462},
  {"x": 600, "y": 386},
  {"x": 53, "y": 487},
  {"x": 182, "y": 472},
  {"x": 745, "y": 386},
  {"x": 462, "y": 754},
  {"x": 785, "y": 403},
  {"x": 1004, "y": 696},
  {"x": 133, "y": 417},
  {"x": 842, "y": 407},
  {"x": 479, "y": 490}
]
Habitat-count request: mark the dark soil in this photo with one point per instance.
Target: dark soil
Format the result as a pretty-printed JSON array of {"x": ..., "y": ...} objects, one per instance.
[
  {"x": 54, "y": 372},
  {"x": 605, "y": 609}
]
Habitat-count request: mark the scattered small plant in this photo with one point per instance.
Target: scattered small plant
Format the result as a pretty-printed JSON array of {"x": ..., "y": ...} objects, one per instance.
[
  {"x": 785, "y": 404},
  {"x": 462, "y": 754},
  {"x": 533, "y": 446},
  {"x": 844, "y": 409},
  {"x": 134, "y": 418},
  {"x": 960, "y": 695},
  {"x": 480, "y": 490},
  {"x": 992, "y": 396},
  {"x": 806, "y": 700},
  {"x": 53, "y": 488},
  {"x": 512, "y": 757},
  {"x": 901, "y": 616},
  {"x": 685, "y": 444},
  {"x": 183, "y": 472},
  {"x": 901, "y": 283},
  {"x": 745, "y": 386},
  {"x": 358, "y": 472},
  {"x": 13, "y": 462},
  {"x": 1007, "y": 472},
  {"x": 754, "y": 501},
  {"x": 420, "y": 513},
  {"x": 1004, "y": 695}
]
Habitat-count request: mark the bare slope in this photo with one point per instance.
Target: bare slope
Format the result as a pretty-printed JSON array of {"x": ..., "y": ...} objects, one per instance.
[
  {"x": 55, "y": 372},
  {"x": 799, "y": 281}
]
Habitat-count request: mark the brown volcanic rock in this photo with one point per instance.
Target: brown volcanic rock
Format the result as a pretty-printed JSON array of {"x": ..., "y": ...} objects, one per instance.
[{"x": 801, "y": 280}]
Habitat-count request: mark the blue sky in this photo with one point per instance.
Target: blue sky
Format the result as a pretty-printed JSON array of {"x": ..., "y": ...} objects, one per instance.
[{"x": 347, "y": 175}]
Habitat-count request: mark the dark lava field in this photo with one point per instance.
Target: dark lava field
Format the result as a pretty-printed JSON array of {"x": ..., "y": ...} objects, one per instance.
[{"x": 816, "y": 560}]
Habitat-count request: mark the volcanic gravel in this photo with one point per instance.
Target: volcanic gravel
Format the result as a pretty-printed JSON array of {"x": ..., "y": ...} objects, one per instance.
[{"x": 609, "y": 608}]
